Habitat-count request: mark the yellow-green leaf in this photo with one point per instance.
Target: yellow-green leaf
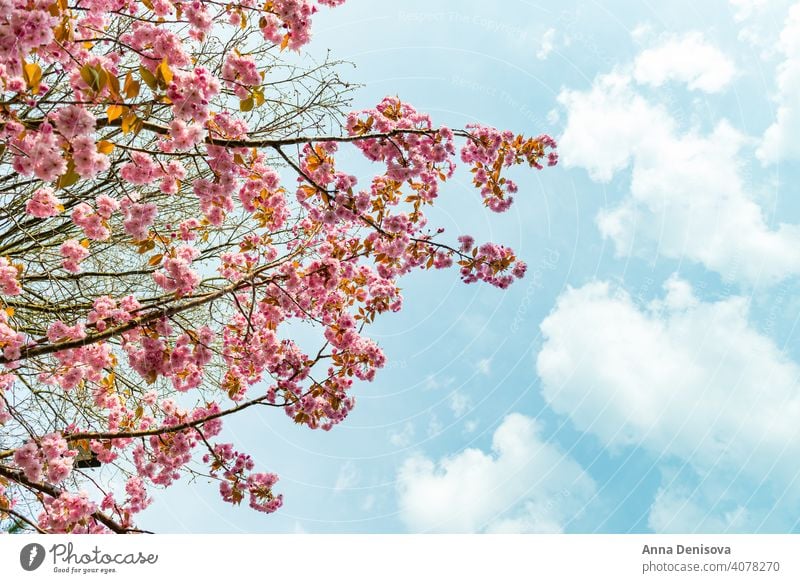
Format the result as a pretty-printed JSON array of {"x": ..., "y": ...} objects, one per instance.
[
  {"x": 94, "y": 77},
  {"x": 258, "y": 96},
  {"x": 69, "y": 178},
  {"x": 131, "y": 86},
  {"x": 114, "y": 111},
  {"x": 246, "y": 104},
  {"x": 113, "y": 85},
  {"x": 164, "y": 73},
  {"x": 129, "y": 122},
  {"x": 148, "y": 78},
  {"x": 105, "y": 147},
  {"x": 32, "y": 73}
]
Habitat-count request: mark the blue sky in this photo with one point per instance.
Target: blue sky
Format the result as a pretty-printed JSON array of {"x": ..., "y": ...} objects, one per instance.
[{"x": 644, "y": 376}]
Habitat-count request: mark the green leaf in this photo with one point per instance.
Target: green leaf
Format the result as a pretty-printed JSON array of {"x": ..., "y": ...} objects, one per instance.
[
  {"x": 246, "y": 104},
  {"x": 148, "y": 78},
  {"x": 69, "y": 178}
]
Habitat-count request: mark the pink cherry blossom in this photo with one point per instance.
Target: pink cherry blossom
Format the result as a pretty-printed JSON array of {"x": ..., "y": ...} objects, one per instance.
[
  {"x": 44, "y": 203},
  {"x": 73, "y": 253}
]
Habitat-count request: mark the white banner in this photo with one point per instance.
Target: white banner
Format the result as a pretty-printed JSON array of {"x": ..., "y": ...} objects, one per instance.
[{"x": 401, "y": 558}]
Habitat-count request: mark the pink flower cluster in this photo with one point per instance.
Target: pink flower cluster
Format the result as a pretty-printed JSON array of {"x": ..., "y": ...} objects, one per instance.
[
  {"x": 23, "y": 28},
  {"x": 182, "y": 363},
  {"x": 240, "y": 72},
  {"x": 198, "y": 17},
  {"x": 137, "y": 495},
  {"x": 262, "y": 194},
  {"x": 73, "y": 253},
  {"x": 107, "y": 310},
  {"x": 291, "y": 18},
  {"x": 138, "y": 218},
  {"x": 87, "y": 160},
  {"x": 51, "y": 456},
  {"x": 38, "y": 153},
  {"x": 216, "y": 198},
  {"x": 183, "y": 136},
  {"x": 167, "y": 454},
  {"x": 225, "y": 125},
  {"x": 142, "y": 169},
  {"x": 250, "y": 346},
  {"x": 76, "y": 364},
  {"x": 9, "y": 281},
  {"x": 95, "y": 223},
  {"x": 58, "y": 331},
  {"x": 492, "y": 263},
  {"x": 43, "y": 203},
  {"x": 489, "y": 150},
  {"x": 235, "y": 266},
  {"x": 73, "y": 121},
  {"x": 156, "y": 43},
  {"x": 422, "y": 154},
  {"x": 177, "y": 274},
  {"x": 6, "y": 383},
  {"x": 11, "y": 341},
  {"x": 191, "y": 94},
  {"x": 238, "y": 479},
  {"x": 70, "y": 513}
]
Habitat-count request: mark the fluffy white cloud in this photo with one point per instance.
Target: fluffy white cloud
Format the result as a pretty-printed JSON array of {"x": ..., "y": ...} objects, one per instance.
[
  {"x": 782, "y": 139},
  {"x": 746, "y": 8},
  {"x": 547, "y": 44},
  {"x": 523, "y": 485},
  {"x": 348, "y": 477},
  {"x": 689, "y": 381},
  {"x": 677, "y": 512},
  {"x": 688, "y": 59},
  {"x": 760, "y": 22},
  {"x": 403, "y": 436},
  {"x": 688, "y": 198},
  {"x": 459, "y": 403}
]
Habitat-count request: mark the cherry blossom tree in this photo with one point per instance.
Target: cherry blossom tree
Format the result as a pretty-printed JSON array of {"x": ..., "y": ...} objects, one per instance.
[{"x": 172, "y": 214}]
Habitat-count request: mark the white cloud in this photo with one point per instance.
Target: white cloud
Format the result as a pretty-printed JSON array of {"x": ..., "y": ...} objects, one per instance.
[
  {"x": 686, "y": 380},
  {"x": 547, "y": 44},
  {"x": 459, "y": 403},
  {"x": 403, "y": 436},
  {"x": 747, "y": 8},
  {"x": 435, "y": 426},
  {"x": 680, "y": 510},
  {"x": 642, "y": 32},
  {"x": 523, "y": 485},
  {"x": 433, "y": 382},
  {"x": 760, "y": 23},
  {"x": 484, "y": 366},
  {"x": 688, "y": 59},
  {"x": 688, "y": 198},
  {"x": 782, "y": 139},
  {"x": 347, "y": 478}
]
